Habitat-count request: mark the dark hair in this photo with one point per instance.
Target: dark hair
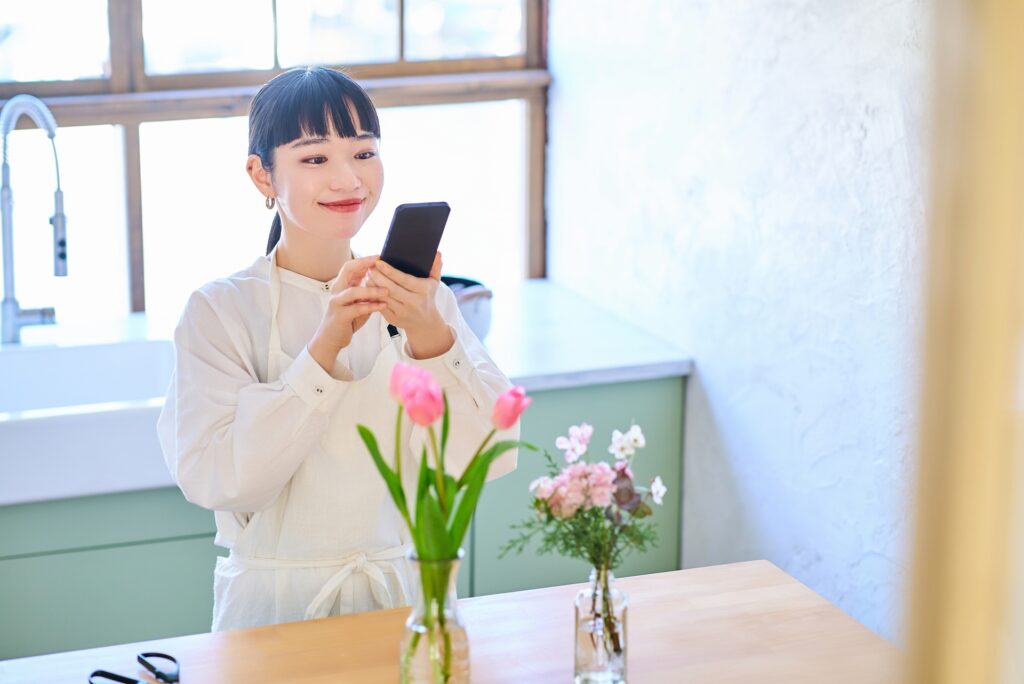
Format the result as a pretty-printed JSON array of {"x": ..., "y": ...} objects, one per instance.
[{"x": 307, "y": 101}]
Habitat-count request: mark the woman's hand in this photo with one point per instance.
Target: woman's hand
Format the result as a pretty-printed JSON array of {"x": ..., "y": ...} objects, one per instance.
[
  {"x": 348, "y": 310},
  {"x": 411, "y": 306}
]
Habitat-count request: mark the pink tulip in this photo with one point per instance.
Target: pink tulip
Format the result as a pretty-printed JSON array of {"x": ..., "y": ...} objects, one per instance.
[
  {"x": 399, "y": 374},
  {"x": 509, "y": 406},
  {"x": 418, "y": 392},
  {"x": 423, "y": 400}
]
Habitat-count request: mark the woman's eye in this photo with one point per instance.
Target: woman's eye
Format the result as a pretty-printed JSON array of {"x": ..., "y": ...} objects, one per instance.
[
  {"x": 316, "y": 161},
  {"x": 366, "y": 155}
]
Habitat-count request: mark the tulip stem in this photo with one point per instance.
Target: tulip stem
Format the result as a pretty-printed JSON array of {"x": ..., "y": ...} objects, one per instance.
[
  {"x": 398, "y": 444},
  {"x": 438, "y": 471},
  {"x": 479, "y": 451}
]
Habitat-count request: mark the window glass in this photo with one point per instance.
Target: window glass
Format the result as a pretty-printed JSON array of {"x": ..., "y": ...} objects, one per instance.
[
  {"x": 447, "y": 29},
  {"x": 197, "y": 35},
  {"x": 340, "y": 32},
  {"x": 92, "y": 178},
  {"x": 34, "y": 47}
]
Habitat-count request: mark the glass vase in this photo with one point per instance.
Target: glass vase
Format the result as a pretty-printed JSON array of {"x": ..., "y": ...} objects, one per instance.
[
  {"x": 601, "y": 630},
  {"x": 435, "y": 647}
]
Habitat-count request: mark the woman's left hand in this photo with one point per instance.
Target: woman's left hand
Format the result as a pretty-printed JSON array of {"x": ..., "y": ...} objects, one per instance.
[{"x": 411, "y": 305}]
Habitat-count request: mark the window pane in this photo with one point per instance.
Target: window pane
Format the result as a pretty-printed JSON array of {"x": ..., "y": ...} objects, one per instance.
[
  {"x": 445, "y": 29},
  {"x": 479, "y": 168},
  {"x": 342, "y": 32},
  {"x": 198, "y": 35},
  {"x": 92, "y": 178},
  {"x": 34, "y": 47},
  {"x": 202, "y": 217}
]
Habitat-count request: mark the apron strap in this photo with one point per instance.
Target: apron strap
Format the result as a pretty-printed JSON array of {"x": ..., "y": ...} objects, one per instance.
[
  {"x": 374, "y": 568},
  {"x": 274, "y": 347}
]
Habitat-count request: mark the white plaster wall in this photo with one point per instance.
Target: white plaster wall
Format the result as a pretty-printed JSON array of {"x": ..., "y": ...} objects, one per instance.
[{"x": 745, "y": 179}]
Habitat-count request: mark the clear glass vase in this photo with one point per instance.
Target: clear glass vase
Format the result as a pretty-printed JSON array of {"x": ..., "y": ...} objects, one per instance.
[
  {"x": 601, "y": 630},
  {"x": 435, "y": 647}
]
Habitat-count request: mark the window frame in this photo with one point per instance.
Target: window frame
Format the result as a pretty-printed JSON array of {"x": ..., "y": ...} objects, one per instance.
[{"x": 130, "y": 97}]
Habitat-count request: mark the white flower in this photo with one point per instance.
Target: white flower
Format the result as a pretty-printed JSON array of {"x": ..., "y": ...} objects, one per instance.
[
  {"x": 636, "y": 437},
  {"x": 581, "y": 433},
  {"x": 575, "y": 445},
  {"x": 658, "y": 489},
  {"x": 621, "y": 446}
]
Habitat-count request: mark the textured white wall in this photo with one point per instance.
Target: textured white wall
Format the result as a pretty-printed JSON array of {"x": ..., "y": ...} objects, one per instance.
[{"x": 744, "y": 179}]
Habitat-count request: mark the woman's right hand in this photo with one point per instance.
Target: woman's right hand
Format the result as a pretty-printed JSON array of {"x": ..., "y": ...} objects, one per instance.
[{"x": 349, "y": 308}]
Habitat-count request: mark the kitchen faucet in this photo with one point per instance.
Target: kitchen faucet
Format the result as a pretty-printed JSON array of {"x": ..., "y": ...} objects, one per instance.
[{"x": 13, "y": 316}]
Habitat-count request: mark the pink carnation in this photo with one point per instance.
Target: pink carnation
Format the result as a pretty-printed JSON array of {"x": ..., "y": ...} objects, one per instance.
[
  {"x": 600, "y": 483},
  {"x": 544, "y": 487},
  {"x": 579, "y": 485}
]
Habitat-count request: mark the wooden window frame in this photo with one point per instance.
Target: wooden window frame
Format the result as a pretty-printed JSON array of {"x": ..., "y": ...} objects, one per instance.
[{"x": 130, "y": 97}]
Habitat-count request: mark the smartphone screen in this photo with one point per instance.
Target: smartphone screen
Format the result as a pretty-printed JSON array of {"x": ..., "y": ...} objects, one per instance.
[{"x": 414, "y": 236}]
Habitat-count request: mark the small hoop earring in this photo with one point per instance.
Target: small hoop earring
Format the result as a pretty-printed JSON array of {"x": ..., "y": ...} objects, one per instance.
[{"x": 270, "y": 203}]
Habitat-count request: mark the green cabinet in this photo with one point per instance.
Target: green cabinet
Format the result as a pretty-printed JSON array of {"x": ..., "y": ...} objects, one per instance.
[{"x": 99, "y": 570}]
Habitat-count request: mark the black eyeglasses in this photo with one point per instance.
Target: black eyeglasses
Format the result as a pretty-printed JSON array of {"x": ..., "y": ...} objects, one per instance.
[{"x": 165, "y": 673}]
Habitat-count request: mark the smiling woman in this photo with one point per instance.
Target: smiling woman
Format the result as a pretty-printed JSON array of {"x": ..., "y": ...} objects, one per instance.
[
  {"x": 277, "y": 363},
  {"x": 310, "y": 149}
]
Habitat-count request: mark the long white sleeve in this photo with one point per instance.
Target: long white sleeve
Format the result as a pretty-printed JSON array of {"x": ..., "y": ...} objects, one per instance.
[
  {"x": 231, "y": 441},
  {"x": 472, "y": 383}
]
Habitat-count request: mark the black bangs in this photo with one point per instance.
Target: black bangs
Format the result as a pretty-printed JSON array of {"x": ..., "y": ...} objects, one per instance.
[{"x": 310, "y": 102}]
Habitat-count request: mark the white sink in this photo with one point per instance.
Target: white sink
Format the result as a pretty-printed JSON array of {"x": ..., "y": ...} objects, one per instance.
[
  {"x": 51, "y": 377},
  {"x": 80, "y": 419}
]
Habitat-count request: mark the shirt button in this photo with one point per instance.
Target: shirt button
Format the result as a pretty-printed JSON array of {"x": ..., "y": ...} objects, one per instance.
[
  {"x": 318, "y": 389},
  {"x": 456, "y": 363},
  {"x": 327, "y": 288}
]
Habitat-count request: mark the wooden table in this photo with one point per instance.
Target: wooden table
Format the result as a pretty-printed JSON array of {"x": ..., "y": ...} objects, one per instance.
[{"x": 744, "y": 622}]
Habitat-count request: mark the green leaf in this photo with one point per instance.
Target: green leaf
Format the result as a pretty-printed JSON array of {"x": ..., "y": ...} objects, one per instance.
[
  {"x": 473, "y": 481},
  {"x": 390, "y": 478},
  {"x": 426, "y": 475},
  {"x": 503, "y": 446},
  {"x": 433, "y": 535},
  {"x": 451, "y": 488},
  {"x": 642, "y": 511},
  {"x": 444, "y": 423}
]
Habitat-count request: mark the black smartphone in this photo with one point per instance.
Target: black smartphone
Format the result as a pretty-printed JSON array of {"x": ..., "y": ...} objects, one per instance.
[{"x": 414, "y": 236}]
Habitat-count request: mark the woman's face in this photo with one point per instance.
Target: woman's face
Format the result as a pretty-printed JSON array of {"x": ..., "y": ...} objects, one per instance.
[{"x": 328, "y": 186}]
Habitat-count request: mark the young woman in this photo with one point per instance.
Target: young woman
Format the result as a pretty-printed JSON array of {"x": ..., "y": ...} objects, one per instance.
[{"x": 277, "y": 364}]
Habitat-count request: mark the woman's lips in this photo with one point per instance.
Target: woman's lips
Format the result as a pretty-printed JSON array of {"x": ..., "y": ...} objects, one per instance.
[{"x": 346, "y": 207}]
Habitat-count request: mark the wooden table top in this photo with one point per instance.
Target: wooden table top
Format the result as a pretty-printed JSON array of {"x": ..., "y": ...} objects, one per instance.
[{"x": 743, "y": 622}]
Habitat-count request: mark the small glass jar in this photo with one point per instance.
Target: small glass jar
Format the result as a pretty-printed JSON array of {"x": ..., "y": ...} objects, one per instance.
[
  {"x": 435, "y": 646},
  {"x": 601, "y": 631}
]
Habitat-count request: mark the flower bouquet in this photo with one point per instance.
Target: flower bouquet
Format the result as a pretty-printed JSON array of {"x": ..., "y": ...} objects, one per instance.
[
  {"x": 443, "y": 507},
  {"x": 595, "y": 512}
]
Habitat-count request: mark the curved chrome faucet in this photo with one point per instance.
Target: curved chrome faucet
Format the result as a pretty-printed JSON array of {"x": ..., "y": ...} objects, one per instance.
[{"x": 14, "y": 317}]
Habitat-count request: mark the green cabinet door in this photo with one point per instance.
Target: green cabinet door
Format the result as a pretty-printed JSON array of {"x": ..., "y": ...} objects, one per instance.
[
  {"x": 103, "y": 596},
  {"x": 657, "y": 406}
]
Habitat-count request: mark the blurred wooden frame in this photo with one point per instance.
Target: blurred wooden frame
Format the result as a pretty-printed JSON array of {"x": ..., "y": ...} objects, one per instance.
[
  {"x": 969, "y": 458},
  {"x": 130, "y": 97}
]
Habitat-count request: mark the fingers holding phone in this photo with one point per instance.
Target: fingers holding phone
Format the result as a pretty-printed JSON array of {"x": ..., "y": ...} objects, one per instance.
[
  {"x": 412, "y": 306},
  {"x": 347, "y": 311},
  {"x": 353, "y": 272}
]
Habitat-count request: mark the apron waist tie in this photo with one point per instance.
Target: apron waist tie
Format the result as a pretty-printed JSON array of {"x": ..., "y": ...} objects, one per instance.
[{"x": 374, "y": 565}]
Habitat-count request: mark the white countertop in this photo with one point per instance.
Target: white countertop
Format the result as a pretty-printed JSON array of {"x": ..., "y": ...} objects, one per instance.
[{"x": 543, "y": 336}]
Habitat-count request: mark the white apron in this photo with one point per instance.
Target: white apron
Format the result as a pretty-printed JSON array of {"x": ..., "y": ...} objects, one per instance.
[{"x": 332, "y": 543}]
